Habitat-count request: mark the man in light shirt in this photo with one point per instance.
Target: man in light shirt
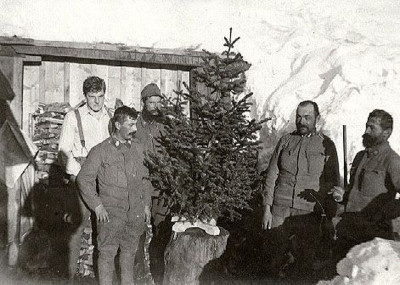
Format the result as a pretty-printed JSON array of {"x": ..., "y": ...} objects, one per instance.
[{"x": 83, "y": 128}]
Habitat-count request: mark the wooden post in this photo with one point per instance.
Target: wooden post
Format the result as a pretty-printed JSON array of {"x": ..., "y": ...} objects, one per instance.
[
  {"x": 14, "y": 222},
  {"x": 11, "y": 69},
  {"x": 187, "y": 253},
  {"x": 345, "y": 155}
]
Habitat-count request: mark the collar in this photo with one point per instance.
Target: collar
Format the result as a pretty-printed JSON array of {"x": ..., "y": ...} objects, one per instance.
[
  {"x": 87, "y": 110},
  {"x": 115, "y": 142},
  {"x": 377, "y": 149},
  {"x": 315, "y": 133}
]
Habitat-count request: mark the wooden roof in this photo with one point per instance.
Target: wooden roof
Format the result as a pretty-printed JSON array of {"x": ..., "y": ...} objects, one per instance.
[{"x": 124, "y": 54}]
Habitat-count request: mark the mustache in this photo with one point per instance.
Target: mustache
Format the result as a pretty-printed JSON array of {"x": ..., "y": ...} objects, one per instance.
[
  {"x": 367, "y": 137},
  {"x": 368, "y": 140},
  {"x": 302, "y": 126}
]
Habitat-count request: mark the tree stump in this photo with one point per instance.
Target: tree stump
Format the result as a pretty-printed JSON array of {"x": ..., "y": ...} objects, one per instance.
[{"x": 187, "y": 253}]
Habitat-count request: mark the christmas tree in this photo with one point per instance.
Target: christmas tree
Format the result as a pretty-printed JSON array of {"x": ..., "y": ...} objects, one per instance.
[{"x": 205, "y": 166}]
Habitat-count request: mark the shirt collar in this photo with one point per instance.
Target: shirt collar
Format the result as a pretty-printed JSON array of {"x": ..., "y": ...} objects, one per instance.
[
  {"x": 87, "y": 110},
  {"x": 315, "y": 133}
]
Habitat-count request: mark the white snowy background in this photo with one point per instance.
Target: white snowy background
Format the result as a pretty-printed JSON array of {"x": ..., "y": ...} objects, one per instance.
[{"x": 344, "y": 54}]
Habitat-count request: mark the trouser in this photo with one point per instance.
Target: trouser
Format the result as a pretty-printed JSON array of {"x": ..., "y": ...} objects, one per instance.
[
  {"x": 80, "y": 219},
  {"x": 118, "y": 233},
  {"x": 355, "y": 228},
  {"x": 162, "y": 232},
  {"x": 298, "y": 236}
]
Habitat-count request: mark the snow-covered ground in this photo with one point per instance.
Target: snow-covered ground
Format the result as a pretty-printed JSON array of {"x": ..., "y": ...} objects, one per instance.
[
  {"x": 374, "y": 263},
  {"x": 343, "y": 54}
]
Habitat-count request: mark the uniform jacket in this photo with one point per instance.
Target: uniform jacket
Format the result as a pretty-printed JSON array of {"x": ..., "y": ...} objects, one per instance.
[
  {"x": 301, "y": 163},
  {"x": 120, "y": 174},
  {"x": 374, "y": 180},
  {"x": 148, "y": 131}
]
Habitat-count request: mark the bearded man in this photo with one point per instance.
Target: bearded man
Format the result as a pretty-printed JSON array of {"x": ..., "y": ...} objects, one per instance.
[{"x": 372, "y": 198}]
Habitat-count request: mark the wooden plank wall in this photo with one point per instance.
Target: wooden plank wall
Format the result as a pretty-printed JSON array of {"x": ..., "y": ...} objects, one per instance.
[{"x": 62, "y": 82}]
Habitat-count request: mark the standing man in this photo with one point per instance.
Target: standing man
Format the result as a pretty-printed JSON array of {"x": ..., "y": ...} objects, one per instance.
[
  {"x": 83, "y": 128},
  {"x": 303, "y": 168},
  {"x": 149, "y": 128},
  {"x": 122, "y": 203},
  {"x": 372, "y": 198}
]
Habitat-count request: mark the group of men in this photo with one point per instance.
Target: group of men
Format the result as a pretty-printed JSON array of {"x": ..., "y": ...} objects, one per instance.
[
  {"x": 103, "y": 156},
  {"x": 303, "y": 201}
]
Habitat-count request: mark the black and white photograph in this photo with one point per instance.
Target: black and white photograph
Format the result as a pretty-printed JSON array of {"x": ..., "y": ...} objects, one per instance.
[{"x": 203, "y": 142}]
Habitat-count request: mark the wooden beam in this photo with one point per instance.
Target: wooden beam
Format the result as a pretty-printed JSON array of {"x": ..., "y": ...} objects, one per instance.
[
  {"x": 32, "y": 59},
  {"x": 97, "y": 45},
  {"x": 42, "y": 83},
  {"x": 17, "y": 86},
  {"x": 124, "y": 56},
  {"x": 67, "y": 80},
  {"x": 16, "y": 40},
  {"x": 7, "y": 51}
]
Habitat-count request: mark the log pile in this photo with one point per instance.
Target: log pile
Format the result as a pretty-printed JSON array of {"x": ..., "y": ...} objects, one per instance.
[{"x": 48, "y": 121}]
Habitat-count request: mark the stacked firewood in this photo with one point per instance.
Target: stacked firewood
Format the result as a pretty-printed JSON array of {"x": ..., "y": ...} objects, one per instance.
[{"x": 48, "y": 121}]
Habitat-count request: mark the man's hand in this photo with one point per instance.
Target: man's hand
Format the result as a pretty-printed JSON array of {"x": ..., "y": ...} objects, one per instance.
[
  {"x": 267, "y": 218},
  {"x": 147, "y": 214},
  {"x": 101, "y": 214},
  {"x": 337, "y": 193}
]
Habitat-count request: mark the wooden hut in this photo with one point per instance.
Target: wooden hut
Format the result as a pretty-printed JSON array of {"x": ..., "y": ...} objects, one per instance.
[{"x": 34, "y": 73}]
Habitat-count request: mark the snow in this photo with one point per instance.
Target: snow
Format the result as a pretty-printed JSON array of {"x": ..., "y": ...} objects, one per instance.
[
  {"x": 374, "y": 263},
  {"x": 342, "y": 54}
]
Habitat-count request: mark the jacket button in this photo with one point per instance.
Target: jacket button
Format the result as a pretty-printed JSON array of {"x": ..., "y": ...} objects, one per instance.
[{"x": 141, "y": 196}]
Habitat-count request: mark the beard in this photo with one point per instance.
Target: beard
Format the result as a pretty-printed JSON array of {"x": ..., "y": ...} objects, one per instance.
[
  {"x": 155, "y": 115},
  {"x": 369, "y": 141}
]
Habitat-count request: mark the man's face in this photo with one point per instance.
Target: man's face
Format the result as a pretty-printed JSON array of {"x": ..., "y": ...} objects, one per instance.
[
  {"x": 95, "y": 100},
  {"x": 153, "y": 105},
  {"x": 127, "y": 129},
  {"x": 305, "y": 119},
  {"x": 374, "y": 134}
]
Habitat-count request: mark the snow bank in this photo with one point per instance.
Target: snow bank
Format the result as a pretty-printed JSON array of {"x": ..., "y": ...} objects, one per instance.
[{"x": 375, "y": 262}]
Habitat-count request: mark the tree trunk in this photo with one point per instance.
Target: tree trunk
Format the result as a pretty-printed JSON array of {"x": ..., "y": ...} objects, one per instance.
[{"x": 187, "y": 253}]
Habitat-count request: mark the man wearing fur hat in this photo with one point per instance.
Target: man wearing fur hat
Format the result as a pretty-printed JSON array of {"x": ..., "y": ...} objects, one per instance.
[{"x": 149, "y": 128}]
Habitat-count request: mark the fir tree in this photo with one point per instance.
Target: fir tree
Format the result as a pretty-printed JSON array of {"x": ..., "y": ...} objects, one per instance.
[{"x": 206, "y": 163}]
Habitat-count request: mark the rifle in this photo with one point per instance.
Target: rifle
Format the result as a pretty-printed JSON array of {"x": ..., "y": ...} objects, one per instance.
[{"x": 345, "y": 156}]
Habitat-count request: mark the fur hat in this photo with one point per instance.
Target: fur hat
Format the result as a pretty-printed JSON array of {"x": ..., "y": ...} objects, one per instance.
[{"x": 150, "y": 90}]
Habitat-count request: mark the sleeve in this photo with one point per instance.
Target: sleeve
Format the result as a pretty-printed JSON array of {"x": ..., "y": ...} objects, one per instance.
[
  {"x": 391, "y": 209},
  {"x": 147, "y": 188},
  {"x": 331, "y": 167},
  {"x": 66, "y": 144},
  {"x": 271, "y": 174},
  {"x": 86, "y": 178},
  {"x": 394, "y": 172}
]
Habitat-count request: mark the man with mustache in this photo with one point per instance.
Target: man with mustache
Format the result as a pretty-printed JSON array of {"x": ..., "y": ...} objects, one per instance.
[
  {"x": 372, "y": 198},
  {"x": 122, "y": 203},
  {"x": 149, "y": 128},
  {"x": 303, "y": 168}
]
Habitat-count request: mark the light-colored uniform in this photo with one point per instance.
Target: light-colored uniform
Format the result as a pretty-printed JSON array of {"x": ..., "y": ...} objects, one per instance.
[{"x": 72, "y": 153}]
